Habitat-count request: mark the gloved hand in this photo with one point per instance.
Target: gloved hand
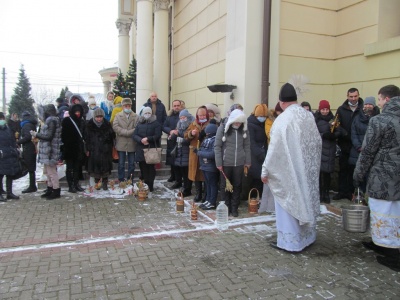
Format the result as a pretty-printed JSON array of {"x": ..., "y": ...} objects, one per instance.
[
  {"x": 179, "y": 140},
  {"x": 33, "y": 133}
]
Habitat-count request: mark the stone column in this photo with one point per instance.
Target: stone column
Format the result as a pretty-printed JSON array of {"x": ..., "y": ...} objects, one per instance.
[
  {"x": 161, "y": 60},
  {"x": 144, "y": 51},
  {"x": 133, "y": 39},
  {"x": 124, "y": 26}
]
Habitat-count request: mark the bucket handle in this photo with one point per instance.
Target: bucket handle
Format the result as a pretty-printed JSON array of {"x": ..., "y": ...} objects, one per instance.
[
  {"x": 258, "y": 195},
  {"x": 180, "y": 195}
]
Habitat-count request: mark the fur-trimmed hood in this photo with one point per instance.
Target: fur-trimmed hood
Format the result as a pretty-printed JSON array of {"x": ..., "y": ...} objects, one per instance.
[{"x": 236, "y": 115}]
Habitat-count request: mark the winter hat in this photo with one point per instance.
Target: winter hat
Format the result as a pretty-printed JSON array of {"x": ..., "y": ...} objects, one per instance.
[
  {"x": 146, "y": 110},
  {"x": 68, "y": 95},
  {"x": 236, "y": 115},
  {"x": 211, "y": 129},
  {"x": 215, "y": 109},
  {"x": 324, "y": 104},
  {"x": 261, "y": 110},
  {"x": 126, "y": 101},
  {"x": 60, "y": 100},
  {"x": 92, "y": 100},
  {"x": 370, "y": 100},
  {"x": 2, "y": 115},
  {"x": 25, "y": 114},
  {"x": 287, "y": 93},
  {"x": 184, "y": 113},
  {"x": 98, "y": 112}
]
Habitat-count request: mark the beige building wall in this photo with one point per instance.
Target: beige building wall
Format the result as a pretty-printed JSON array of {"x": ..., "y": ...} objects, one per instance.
[
  {"x": 338, "y": 45},
  {"x": 199, "y": 51}
]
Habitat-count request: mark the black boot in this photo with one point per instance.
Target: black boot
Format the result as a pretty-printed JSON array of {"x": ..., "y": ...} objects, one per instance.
[
  {"x": 2, "y": 191},
  {"x": 327, "y": 199},
  {"x": 2, "y": 198},
  {"x": 32, "y": 184},
  {"x": 69, "y": 174},
  {"x": 198, "y": 185},
  {"x": 10, "y": 194},
  {"x": 78, "y": 187},
  {"x": 56, "y": 193},
  {"x": 104, "y": 183},
  {"x": 47, "y": 192},
  {"x": 176, "y": 185}
]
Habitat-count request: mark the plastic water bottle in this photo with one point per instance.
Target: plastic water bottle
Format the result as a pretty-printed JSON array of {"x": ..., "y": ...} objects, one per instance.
[{"x": 222, "y": 216}]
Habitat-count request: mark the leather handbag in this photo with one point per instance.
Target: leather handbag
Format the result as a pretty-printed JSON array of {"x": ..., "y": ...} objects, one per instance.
[{"x": 152, "y": 156}]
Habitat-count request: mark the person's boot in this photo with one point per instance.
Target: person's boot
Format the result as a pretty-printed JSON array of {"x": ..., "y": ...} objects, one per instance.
[
  {"x": 56, "y": 193},
  {"x": 2, "y": 191},
  {"x": 69, "y": 174},
  {"x": 32, "y": 184},
  {"x": 104, "y": 183},
  {"x": 2, "y": 198},
  {"x": 172, "y": 177},
  {"x": 176, "y": 185},
  {"x": 47, "y": 192},
  {"x": 228, "y": 203},
  {"x": 392, "y": 262},
  {"x": 76, "y": 179},
  {"x": 203, "y": 199},
  {"x": 10, "y": 194},
  {"x": 198, "y": 186}
]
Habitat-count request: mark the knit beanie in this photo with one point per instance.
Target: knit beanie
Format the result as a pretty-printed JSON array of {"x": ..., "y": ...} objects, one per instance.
[
  {"x": 146, "y": 110},
  {"x": 287, "y": 93},
  {"x": 126, "y": 101},
  {"x": 211, "y": 129},
  {"x": 98, "y": 112},
  {"x": 370, "y": 100},
  {"x": 184, "y": 113},
  {"x": 91, "y": 101},
  {"x": 261, "y": 110},
  {"x": 324, "y": 104}
]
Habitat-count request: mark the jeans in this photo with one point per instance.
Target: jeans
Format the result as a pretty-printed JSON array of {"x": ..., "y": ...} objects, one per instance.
[
  {"x": 211, "y": 186},
  {"x": 121, "y": 164}
]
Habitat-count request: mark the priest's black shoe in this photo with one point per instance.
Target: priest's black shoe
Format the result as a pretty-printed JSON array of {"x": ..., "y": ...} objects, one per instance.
[
  {"x": 171, "y": 179},
  {"x": 11, "y": 196},
  {"x": 390, "y": 262}
]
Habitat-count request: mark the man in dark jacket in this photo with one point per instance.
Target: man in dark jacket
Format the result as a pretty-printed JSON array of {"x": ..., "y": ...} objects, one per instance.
[
  {"x": 170, "y": 129},
  {"x": 379, "y": 158},
  {"x": 347, "y": 112},
  {"x": 157, "y": 107},
  {"x": 28, "y": 123}
]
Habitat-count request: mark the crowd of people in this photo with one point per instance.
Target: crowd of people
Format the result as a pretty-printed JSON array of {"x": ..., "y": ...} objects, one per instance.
[{"x": 287, "y": 153}]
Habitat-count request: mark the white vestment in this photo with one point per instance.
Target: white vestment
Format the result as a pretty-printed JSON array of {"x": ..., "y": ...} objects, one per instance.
[{"x": 292, "y": 166}]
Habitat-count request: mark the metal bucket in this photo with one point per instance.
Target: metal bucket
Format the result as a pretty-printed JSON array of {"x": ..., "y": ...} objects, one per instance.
[{"x": 355, "y": 218}]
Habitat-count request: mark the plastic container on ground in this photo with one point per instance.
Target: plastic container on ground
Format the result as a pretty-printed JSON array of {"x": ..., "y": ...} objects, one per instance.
[{"x": 222, "y": 216}]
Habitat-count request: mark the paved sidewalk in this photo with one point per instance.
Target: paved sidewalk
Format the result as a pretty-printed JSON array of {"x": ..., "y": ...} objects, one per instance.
[{"x": 78, "y": 247}]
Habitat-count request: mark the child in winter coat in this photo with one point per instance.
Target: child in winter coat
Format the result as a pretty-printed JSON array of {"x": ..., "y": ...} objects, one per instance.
[{"x": 206, "y": 156}]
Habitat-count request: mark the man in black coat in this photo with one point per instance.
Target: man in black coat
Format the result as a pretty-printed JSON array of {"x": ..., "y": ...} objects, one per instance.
[
  {"x": 28, "y": 123},
  {"x": 347, "y": 112},
  {"x": 170, "y": 129}
]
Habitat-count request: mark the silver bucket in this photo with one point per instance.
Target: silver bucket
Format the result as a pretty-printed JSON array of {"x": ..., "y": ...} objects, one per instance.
[{"x": 355, "y": 218}]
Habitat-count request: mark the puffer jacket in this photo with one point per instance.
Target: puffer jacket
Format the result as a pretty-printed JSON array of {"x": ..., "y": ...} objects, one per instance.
[
  {"x": 235, "y": 151},
  {"x": 170, "y": 124},
  {"x": 258, "y": 145},
  {"x": 124, "y": 128},
  {"x": 28, "y": 123},
  {"x": 206, "y": 155},
  {"x": 8, "y": 152},
  {"x": 380, "y": 154},
  {"x": 49, "y": 137},
  {"x": 358, "y": 129},
  {"x": 328, "y": 153},
  {"x": 146, "y": 128}
]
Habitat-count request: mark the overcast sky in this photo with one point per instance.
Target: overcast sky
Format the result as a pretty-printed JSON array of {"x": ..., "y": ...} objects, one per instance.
[{"x": 59, "y": 42}]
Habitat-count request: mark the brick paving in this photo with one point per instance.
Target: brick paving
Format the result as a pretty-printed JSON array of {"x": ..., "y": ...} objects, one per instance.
[{"x": 84, "y": 248}]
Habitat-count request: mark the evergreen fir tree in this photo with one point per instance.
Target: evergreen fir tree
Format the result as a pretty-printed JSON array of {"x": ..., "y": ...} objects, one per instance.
[
  {"x": 119, "y": 85},
  {"x": 63, "y": 91},
  {"x": 130, "y": 83},
  {"x": 22, "y": 100}
]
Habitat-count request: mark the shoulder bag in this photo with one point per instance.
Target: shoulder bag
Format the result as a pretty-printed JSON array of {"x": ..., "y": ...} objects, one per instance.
[
  {"x": 152, "y": 155},
  {"x": 77, "y": 129}
]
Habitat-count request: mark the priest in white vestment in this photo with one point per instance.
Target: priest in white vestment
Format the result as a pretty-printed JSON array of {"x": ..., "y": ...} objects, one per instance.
[{"x": 291, "y": 169}]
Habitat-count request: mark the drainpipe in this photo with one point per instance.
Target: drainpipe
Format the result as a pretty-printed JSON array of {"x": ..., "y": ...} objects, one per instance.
[
  {"x": 171, "y": 45},
  {"x": 266, "y": 52}
]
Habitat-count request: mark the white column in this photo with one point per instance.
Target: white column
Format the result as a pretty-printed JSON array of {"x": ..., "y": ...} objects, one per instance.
[
  {"x": 161, "y": 61},
  {"x": 133, "y": 39},
  {"x": 144, "y": 51},
  {"x": 124, "y": 26}
]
